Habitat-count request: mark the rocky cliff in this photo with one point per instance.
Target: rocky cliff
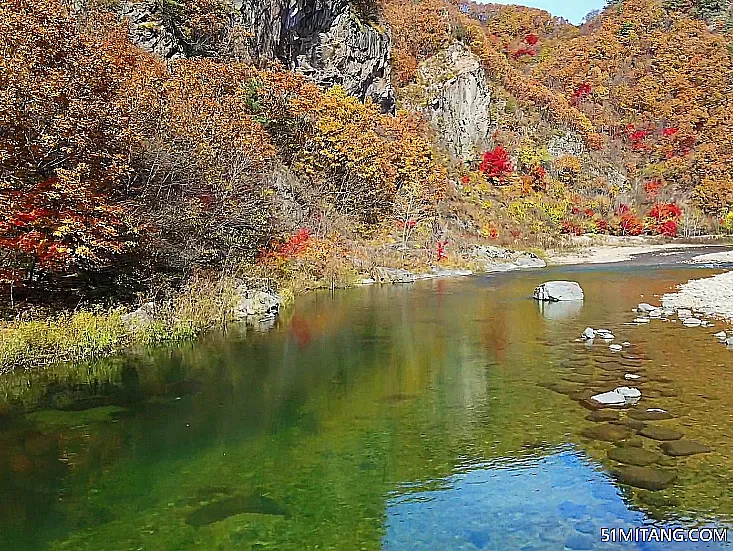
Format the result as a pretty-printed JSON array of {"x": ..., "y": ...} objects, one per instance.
[
  {"x": 329, "y": 41},
  {"x": 457, "y": 101}
]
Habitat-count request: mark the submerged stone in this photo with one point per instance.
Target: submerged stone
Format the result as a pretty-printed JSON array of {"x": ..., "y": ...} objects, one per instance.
[
  {"x": 603, "y": 415},
  {"x": 651, "y": 414},
  {"x": 647, "y": 478},
  {"x": 660, "y": 433},
  {"x": 580, "y": 542},
  {"x": 681, "y": 448},
  {"x": 633, "y": 456},
  {"x": 607, "y": 433},
  {"x": 236, "y": 505}
]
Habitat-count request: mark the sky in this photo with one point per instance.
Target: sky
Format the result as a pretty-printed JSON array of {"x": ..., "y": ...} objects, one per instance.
[{"x": 572, "y": 10}]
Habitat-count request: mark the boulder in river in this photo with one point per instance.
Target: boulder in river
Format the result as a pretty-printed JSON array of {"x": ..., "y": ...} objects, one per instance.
[
  {"x": 646, "y": 308},
  {"x": 556, "y": 291},
  {"x": 692, "y": 322},
  {"x": 589, "y": 333}
]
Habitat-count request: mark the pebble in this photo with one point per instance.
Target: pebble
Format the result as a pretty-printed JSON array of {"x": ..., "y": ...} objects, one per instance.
[
  {"x": 616, "y": 348},
  {"x": 641, "y": 320},
  {"x": 692, "y": 322}
]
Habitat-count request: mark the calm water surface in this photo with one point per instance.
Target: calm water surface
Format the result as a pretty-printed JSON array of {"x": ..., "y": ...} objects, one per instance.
[{"x": 444, "y": 415}]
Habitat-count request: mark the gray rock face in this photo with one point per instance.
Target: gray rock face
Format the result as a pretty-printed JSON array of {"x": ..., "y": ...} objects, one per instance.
[
  {"x": 148, "y": 31},
  {"x": 325, "y": 40},
  {"x": 140, "y": 318},
  {"x": 459, "y": 99},
  {"x": 340, "y": 49},
  {"x": 394, "y": 275},
  {"x": 498, "y": 259},
  {"x": 556, "y": 291},
  {"x": 256, "y": 303},
  {"x": 570, "y": 143}
]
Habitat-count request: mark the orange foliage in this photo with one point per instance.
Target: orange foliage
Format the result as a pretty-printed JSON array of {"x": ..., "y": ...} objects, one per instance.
[{"x": 63, "y": 143}]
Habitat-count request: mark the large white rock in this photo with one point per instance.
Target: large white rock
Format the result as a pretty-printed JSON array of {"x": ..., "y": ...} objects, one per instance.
[
  {"x": 646, "y": 307},
  {"x": 621, "y": 396},
  {"x": 692, "y": 322},
  {"x": 556, "y": 291},
  {"x": 589, "y": 333}
]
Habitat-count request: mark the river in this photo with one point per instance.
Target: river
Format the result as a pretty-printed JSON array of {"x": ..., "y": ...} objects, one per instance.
[{"x": 443, "y": 415}]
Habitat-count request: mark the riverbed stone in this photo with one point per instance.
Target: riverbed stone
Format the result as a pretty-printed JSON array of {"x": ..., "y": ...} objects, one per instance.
[
  {"x": 589, "y": 333},
  {"x": 607, "y": 433},
  {"x": 650, "y": 414},
  {"x": 633, "y": 456},
  {"x": 556, "y": 291},
  {"x": 603, "y": 415},
  {"x": 682, "y": 448},
  {"x": 646, "y": 307},
  {"x": 660, "y": 433},
  {"x": 692, "y": 322},
  {"x": 647, "y": 478}
]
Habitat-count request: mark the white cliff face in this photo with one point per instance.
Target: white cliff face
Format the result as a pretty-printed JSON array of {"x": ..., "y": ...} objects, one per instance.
[
  {"x": 326, "y": 40},
  {"x": 458, "y": 101}
]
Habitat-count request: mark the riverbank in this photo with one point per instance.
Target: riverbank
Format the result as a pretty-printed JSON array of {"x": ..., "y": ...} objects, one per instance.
[
  {"x": 34, "y": 342},
  {"x": 711, "y": 296},
  {"x": 612, "y": 249}
]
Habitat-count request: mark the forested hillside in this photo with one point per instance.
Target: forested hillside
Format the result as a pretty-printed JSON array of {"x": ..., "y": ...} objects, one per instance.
[{"x": 142, "y": 143}]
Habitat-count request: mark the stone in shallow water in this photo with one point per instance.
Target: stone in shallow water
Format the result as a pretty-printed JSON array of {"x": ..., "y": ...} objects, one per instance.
[
  {"x": 580, "y": 542},
  {"x": 569, "y": 509},
  {"x": 651, "y": 414},
  {"x": 681, "y": 448},
  {"x": 479, "y": 538},
  {"x": 236, "y": 505},
  {"x": 555, "y": 291},
  {"x": 620, "y": 396},
  {"x": 563, "y": 387},
  {"x": 603, "y": 415},
  {"x": 634, "y": 424},
  {"x": 607, "y": 433},
  {"x": 647, "y": 478},
  {"x": 633, "y": 456},
  {"x": 660, "y": 433}
]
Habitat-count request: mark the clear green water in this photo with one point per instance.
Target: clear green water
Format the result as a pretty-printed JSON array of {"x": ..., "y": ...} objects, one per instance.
[{"x": 395, "y": 418}]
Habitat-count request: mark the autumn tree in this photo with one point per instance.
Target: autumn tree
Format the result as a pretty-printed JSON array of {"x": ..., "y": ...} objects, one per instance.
[{"x": 63, "y": 145}]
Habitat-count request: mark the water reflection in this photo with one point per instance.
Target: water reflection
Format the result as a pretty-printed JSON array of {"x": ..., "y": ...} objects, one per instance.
[
  {"x": 558, "y": 501},
  {"x": 561, "y": 310},
  {"x": 298, "y": 438}
]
